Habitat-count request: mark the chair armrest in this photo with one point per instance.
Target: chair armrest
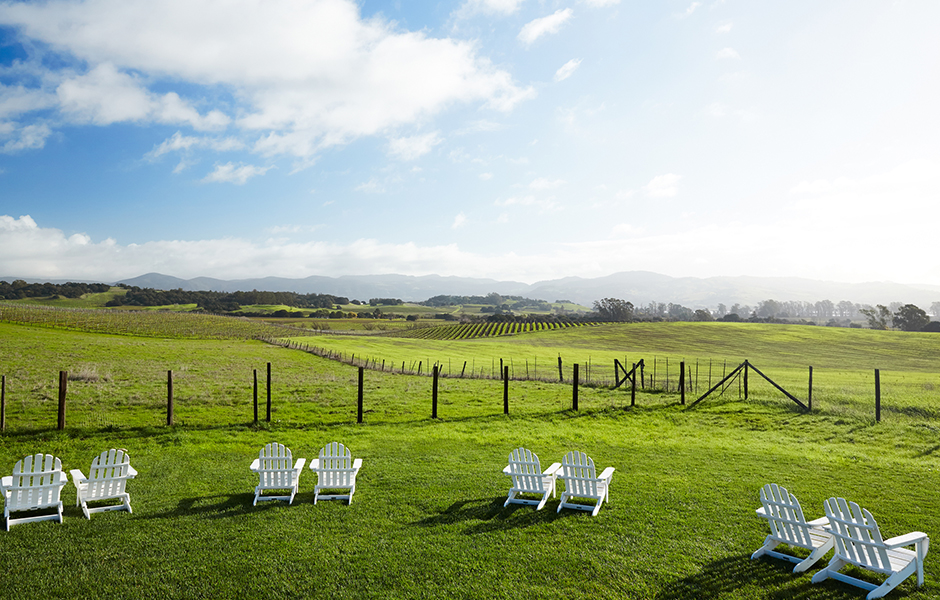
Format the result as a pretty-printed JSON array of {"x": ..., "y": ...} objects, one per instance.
[
  {"x": 506, "y": 470},
  {"x": 255, "y": 464},
  {"x": 6, "y": 482},
  {"x": 357, "y": 463},
  {"x": 315, "y": 464},
  {"x": 551, "y": 470},
  {"x": 299, "y": 465},
  {"x": 819, "y": 523},
  {"x": 78, "y": 477},
  {"x": 908, "y": 539},
  {"x": 131, "y": 472},
  {"x": 761, "y": 512},
  {"x": 607, "y": 474}
]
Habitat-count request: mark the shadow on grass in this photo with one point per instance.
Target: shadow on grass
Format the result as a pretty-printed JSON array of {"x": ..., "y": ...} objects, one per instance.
[
  {"x": 221, "y": 506},
  {"x": 768, "y": 578},
  {"x": 488, "y": 514}
]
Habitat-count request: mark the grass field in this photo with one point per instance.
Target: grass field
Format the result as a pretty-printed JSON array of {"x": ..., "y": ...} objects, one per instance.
[{"x": 428, "y": 520}]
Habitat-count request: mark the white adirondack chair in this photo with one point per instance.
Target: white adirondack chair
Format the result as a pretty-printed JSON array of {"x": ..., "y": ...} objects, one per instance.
[
  {"x": 858, "y": 542},
  {"x": 107, "y": 480},
  {"x": 528, "y": 478},
  {"x": 36, "y": 484},
  {"x": 788, "y": 526},
  {"x": 336, "y": 470},
  {"x": 581, "y": 481},
  {"x": 277, "y": 471}
]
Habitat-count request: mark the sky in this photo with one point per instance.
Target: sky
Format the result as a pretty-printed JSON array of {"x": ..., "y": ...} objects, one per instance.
[{"x": 516, "y": 140}]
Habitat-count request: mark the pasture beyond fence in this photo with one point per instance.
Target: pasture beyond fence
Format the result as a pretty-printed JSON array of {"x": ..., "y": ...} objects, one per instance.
[
  {"x": 738, "y": 377},
  {"x": 186, "y": 385}
]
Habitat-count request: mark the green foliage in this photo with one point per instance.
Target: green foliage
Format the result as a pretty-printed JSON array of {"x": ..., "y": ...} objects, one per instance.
[
  {"x": 614, "y": 309},
  {"x": 877, "y": 317},
  {"x": 19, "y": 289},
  {"x": 910, "y": 318}
]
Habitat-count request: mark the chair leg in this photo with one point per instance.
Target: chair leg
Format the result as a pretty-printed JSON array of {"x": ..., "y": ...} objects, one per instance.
[
  {"x": 834, "y": 565},
  {"x": 769, "y": 544},
  {"x": 891, "y": 582},
  {"x": 542, "y": 502},
  {"x": 816, "y": 554}
]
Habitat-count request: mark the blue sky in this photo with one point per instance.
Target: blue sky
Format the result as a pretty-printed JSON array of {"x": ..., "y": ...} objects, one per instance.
[{"x": 511, "y": 139}]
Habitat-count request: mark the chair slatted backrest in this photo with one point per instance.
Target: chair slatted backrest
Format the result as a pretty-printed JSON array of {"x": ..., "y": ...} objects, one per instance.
[
  {"x": 336, "y": 466},
  {"x": 37, "y": 483},
  {"x": 857, "y": 537},
  {"x": 108, "y": 475},
  {"x": 579, "y": 475},
  {"x": 525, "y": 470},
  {"x": 276, "y": 467},
  {"x": 785, "y": 515}
]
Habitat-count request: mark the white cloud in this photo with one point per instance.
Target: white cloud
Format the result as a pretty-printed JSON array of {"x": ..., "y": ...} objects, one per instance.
[
  {"x": 486, "y": 176},
  {"x": 663, "y": 186},
  {"x": 499, "y": 8},
  {"x": 787, "y": 245},
  {"x": 370, "y": 187},
  {"x": 17, "y": 99},
  {"x": 28, "y": 137},
  {"x": 567, "y": 69},
  {"x": 232, "y": 173},
  {"x": 304, "y": 74},
  {"x": 543, "y": 183},
  {"x": 601, "y": 3},
  {"x": 691, "y": 9},
  {"x": 105, "y": 95},
  {"x": 410, "y": 148},
  {"x": 716, "y": 109},
  {"x": 727, "y": 53},
  {"x": 459, "y": 221},
  {"x": 536, "y": 28},
  {"x": 625, "y": 230},
  {"x": 529, "y": 200},
  {"x": 183, "y": 143},
  {"x": 724, "y": 28}
]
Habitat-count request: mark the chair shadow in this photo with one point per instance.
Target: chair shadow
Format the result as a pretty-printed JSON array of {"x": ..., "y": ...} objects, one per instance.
[
  {"x": 489, "y": 514},
  {"x": 724, "y": 576},
  {"x": 220, "y": 506}
]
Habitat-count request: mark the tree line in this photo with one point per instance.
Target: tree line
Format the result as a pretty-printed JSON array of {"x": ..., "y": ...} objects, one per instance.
[
  {"x": 19, "y": 289},
  {"x": 905, "y": 317},
  {"x": 219, "y": 302}
]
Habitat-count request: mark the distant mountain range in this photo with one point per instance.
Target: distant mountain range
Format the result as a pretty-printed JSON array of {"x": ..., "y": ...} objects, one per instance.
[{"x": 639, "y": 287}]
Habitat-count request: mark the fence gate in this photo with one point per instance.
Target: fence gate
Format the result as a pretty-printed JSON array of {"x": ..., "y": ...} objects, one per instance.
[{"x": 743, "y": 369}]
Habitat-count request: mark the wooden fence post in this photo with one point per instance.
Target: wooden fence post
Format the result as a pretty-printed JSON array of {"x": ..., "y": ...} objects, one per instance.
[
  {"x": 809, "y": 396},
  {"x": 561, "y": 375},
  {"x": 877, "y": 395},
  {"x": 633, "y": 387},
  {"x": 269, "y": 393},
  {"x": 434, "y": 395},
  {"x": 255, "y": 393},
  {"x": 169, "y": 398},
  {"x": 682, "y": 383},
  {"x": 359, "y": 403},
  {"x": 574, "y": 389},
  {"x": 3, "y": 403},
  {"x": 505, "y": 390},
  {"x": 745, "y": 379},
  {"x": 63, "y": 387}
]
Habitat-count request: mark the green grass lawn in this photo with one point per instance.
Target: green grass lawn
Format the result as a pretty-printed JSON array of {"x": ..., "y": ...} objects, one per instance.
[{"x": 427, "y": 520}]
